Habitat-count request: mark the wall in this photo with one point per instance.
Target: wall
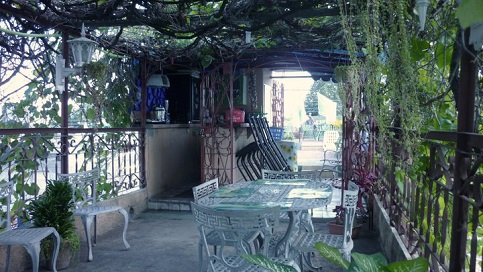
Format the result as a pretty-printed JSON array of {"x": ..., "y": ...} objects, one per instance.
[
  {"x": 172, "y": 156},
  {"x": 392, "y": 246}
]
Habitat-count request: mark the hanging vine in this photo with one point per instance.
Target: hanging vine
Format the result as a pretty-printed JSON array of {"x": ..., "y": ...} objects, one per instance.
[{"x": 381, "y": 83}]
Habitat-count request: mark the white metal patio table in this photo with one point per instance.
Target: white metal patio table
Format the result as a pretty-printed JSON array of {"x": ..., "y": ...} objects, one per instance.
[{"x": 292, "y": 196}]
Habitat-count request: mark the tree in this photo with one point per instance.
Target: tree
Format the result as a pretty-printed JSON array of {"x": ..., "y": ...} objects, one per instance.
[{"x": 329, "y": 90}]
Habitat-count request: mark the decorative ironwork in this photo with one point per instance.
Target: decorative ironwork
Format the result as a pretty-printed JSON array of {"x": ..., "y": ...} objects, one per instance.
[
  {"x": 30, "y": 157},
  {"x": 277, "y": 104},
  {"x": 217, "y": 134},
  {"x": 422, "y": 210}
]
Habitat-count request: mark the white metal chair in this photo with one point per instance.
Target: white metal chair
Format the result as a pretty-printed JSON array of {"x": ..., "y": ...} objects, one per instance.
[
  {"x": 29, "y": 238},
  {"x": 281, "y": 175},
  {"x": 213, "y": 238},
  {"x": 304, "y": 244},
  {"x": 332, "y": 150},
  {"x": 84, "y": 186},
  {"x": 205, "y": 189},
  {"x": 330, "y": 139},
  {"x": 305, "y": 216},
  {"x": 233, "y": 226}
]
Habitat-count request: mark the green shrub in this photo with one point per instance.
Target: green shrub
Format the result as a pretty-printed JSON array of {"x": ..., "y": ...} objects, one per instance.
[{"x": 54, "y": 209}]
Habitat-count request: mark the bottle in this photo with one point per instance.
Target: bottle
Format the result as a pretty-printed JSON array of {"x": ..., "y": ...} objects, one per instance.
[
  {"x": 167, "y": 115},
  {"x": 168, "y": 118}
]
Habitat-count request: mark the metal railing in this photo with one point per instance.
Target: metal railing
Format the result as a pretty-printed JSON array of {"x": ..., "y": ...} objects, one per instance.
[
  {"x": 426, "y": 210},
  {"x": 30, "y": 157}
]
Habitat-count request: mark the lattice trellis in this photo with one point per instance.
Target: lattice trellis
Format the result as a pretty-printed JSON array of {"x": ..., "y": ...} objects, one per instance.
[
  {"x": 217, "y": 155},
  {"x": 277, "y": 104}
]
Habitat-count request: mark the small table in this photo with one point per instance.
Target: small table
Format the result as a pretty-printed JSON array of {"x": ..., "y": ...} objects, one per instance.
[{"x": 292, "y": 196}]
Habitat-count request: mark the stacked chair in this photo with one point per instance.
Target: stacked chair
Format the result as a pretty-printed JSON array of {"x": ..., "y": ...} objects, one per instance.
[
  {"x": 249, "y": 161},
  {"x": 263, "y": 153},
  {"x": 273, "y": 158}
]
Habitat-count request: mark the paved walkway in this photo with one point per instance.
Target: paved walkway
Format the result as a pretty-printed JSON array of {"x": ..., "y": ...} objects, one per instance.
[{"x": 167, "y": 241}]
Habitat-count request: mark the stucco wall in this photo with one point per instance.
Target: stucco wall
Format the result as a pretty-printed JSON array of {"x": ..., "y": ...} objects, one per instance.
[{"x": 172, "y": 157}]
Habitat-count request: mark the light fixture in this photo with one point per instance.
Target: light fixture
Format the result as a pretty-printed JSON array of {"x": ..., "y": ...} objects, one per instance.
[
  {"x": 422, "y": 7},
  {"x": 158, "y": 81},
  {"x": 248, "y": 37},
  {"x": 82, "y": 49},
  {"x": 476, "y": 36}
]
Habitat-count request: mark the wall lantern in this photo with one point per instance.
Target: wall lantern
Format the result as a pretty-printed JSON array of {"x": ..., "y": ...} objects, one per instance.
[
  {"x": 82, "y": 49},
  {"x": 158, "y": 81},
  {"x": 422, "y": 7},
  {"x": 248, "y": 37},
  {"x": 476, "y": 36}
]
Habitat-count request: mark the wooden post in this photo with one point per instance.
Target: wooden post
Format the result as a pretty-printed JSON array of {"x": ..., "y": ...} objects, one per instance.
[{"x": 466, "y": 109}]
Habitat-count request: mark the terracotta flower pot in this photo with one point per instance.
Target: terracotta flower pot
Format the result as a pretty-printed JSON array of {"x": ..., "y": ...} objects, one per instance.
[{"x": 338, "y": 229}]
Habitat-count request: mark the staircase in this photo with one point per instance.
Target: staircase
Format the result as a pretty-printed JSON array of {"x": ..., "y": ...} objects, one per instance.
[{"x": 176, "y": 199}]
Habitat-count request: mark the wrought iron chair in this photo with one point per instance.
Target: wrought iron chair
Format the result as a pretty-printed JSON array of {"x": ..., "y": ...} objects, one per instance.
[
  {"x": 329, "y": 172},
  {"x": 205, "y": 189},
  {"x": 249, "y": 161},
  {"x": 213, "y": 238},
  {"x": 29, "y": 238},
  {"x": 331, "y": 144},
  {"x": 233, "y": 226},
  {"x": 304, "y": 244},
  {"x": 84, "y": 186},
  {"x": 305, "y": 216}
]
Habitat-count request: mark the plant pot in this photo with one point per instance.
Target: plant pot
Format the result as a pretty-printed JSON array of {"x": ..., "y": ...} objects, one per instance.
[
  {"x": 338, "y": 229},
  {"x": 67, "y": 257}
]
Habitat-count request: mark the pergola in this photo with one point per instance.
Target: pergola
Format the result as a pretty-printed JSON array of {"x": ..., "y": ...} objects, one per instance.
[
  {"x": 196, "y": 35},
  {"x": 164, "y": 32},
  {"x": 305, "y": 35}
]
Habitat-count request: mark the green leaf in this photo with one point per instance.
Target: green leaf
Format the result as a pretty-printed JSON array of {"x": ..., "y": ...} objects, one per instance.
[
  {"x": 366, "y": 262},
  {"x": 418, "y": 48},
  {"x": 470, "y": 12},
  {"x": 443, "y": 55},
  {"x": 332, "y": 254},
  {"x": 31, "y": 189},
  {"x": 267, "y": 263},
  {"x": 415, "y": 265},
  {"x": 206, "y": 60},
  {"x": 91, "y": 114}
]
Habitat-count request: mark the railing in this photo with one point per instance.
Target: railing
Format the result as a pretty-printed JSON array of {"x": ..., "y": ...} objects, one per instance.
[
  {"x": 30, "y": 157},
  {"x": 423, "y": 210}
]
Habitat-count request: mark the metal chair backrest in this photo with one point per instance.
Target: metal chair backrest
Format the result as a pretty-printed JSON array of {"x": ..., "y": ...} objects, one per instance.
[
  {"x": 205, "y": 189},
  {"x": 6, "y": 198},
  {"x": 329, "y": 140},
  {"x": 233, "y": 226},
  {"x": 83, "y": 186},
  {"x": 270, "y": 174},
  {"x": 349, "y": 203}
]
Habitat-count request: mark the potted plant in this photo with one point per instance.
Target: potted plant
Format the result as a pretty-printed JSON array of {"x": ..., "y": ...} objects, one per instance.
[
  {"x": 54, "y": 209},
  {"x": 365, "y": 180},
  {"x": 337, "y": 226}
]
